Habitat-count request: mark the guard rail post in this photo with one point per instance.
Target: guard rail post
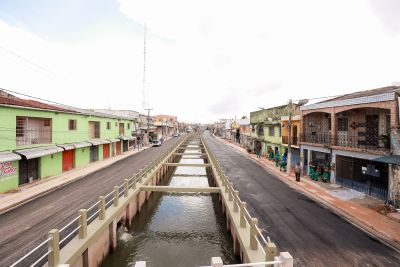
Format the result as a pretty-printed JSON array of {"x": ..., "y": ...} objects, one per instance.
[
  {"x": 243, "y": 214},
  {"x": 271, "y": 251},
  {"x": 53, "y": 259},
  {"x": 102, "y": 208},
  {"x": 253, "y": 234},
  {"x": 116, "y": 196},
  {"x": 230, "y": 191},
  {"x": 82, "y": 223},
  {"x": 235, "y": 200},
  {"x": 134, "y": 181},
  {"x": 126, "y": 191}
]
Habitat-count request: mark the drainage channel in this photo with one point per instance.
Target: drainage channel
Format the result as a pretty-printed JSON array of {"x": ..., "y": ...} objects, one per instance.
[
  {"x": 183, "y": 226},
  {"x": 176, "y": 229}
]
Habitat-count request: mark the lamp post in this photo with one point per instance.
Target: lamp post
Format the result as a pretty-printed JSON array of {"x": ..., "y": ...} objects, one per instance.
[{"x": 289, "y": 155}]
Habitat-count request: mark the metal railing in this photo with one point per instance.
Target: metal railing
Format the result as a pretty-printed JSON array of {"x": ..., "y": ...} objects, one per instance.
[{"x": 73, "y": 228}]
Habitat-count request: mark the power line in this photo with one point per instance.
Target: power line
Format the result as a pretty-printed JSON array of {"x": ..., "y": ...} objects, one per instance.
[{"x": 30, "y": 62}]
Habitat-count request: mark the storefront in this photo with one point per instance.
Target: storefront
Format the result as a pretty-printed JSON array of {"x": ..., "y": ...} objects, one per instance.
[{"x": 367, "y": 176}]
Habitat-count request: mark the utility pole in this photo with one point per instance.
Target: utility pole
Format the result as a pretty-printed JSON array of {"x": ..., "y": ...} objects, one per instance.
[
  {"x": 148, "y": 122},
  {"x": 289, "y": 155}
]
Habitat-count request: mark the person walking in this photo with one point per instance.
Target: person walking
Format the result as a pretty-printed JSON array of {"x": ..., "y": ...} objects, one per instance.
[
  {"x": 297, "y": 171},
  {"x": 258, "y": 151}
]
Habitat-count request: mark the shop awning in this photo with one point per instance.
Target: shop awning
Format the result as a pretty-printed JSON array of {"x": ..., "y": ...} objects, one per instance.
[
  {"x": 6, "y": 156},
  {"x": 125, "y": 138},
  {"x": 37, "y": 152},
  {"x": 81, "y": 144},
  {"x": 392, "y": 159},
  {"x": 97, "y": 142},
  {"x": 114, "y": 140},
  {"x": 67, "y": 146},
  {"x": 132, "y": 138}
]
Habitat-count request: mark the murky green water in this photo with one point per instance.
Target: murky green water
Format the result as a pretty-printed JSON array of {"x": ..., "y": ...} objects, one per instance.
[{"x": 177, "y": 230}]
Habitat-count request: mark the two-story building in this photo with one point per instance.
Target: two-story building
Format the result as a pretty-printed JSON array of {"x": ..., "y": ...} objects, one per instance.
[
  {"x": 352, "y": 133},
  {"x": 166, "y": 125},
  {"x": 38, "y": 140},
  {"x": 294, "y": 137},
  {"x": 266, "y": 129}
]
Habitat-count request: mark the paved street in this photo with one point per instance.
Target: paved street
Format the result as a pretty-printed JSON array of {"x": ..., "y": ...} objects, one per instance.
[
  {"x": 25, "y": 226},
  {"x": 313, "y": 235}
]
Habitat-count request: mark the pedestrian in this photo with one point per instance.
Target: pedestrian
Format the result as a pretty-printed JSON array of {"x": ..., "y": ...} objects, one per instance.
[
  {"x": 258, "y": 152},
  {"x": 297, "y": 171}
]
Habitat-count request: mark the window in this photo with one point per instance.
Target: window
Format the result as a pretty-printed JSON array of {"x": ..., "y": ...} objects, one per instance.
[
  {"x": 94, "y": 129},
  {"x": 31, "y": 130},
  {"x": 128, "y": 126},
  {"x": 116, "y": 124},
  {"x": 271, "y": 131},
  {"x": 20, "y": 126},
  {"x": 72, "y": 125},
  {"x": 108, "y": 125},
  {"x": 280, "y": 131},
  {"x": 342, "y": 124}
]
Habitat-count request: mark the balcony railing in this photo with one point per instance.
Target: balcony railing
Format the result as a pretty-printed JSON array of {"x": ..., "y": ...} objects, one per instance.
[
  {"x": 285, "y": 140},
  {"x": 316, "y": 138},
  {"x": 33, "y": 137},
  {"x": 360, "y": 141}
]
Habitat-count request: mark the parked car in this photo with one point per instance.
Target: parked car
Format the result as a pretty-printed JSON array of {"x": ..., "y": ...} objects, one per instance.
[
  {"x": 175, "y": 135},
  {"x": 156, "y": 143}
]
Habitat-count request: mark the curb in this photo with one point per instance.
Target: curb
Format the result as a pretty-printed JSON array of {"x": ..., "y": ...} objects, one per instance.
[
  {"x": 364, "y": 226},
  {"x": 46, "y": 192}
]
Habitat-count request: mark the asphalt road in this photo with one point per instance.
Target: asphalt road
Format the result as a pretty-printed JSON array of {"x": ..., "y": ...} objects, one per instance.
[
  {"x": 312, "y": 234},
  {"x": 21, "y": 229}
]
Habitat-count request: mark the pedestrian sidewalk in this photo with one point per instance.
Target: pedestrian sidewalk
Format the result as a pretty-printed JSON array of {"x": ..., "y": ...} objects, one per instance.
[
  {"x": 337, "y": 199},
  {"x": 28, "y": 192}
]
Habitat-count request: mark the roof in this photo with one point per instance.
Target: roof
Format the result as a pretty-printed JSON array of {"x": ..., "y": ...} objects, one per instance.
[
  {"x": 121, "y": 113},
  {"x": 8, "y": 99},
  {"x": 382, "y": 94},
  {"x": 376, "y": 91}
]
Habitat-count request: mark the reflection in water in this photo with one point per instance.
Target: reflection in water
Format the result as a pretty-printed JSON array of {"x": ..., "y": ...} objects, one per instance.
[{"x": 177, "y": 230}]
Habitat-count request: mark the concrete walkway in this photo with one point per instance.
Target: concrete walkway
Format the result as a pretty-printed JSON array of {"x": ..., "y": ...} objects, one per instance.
[
  {"x": 28, "y": 192},
  {"x": 336, "y": 199}
]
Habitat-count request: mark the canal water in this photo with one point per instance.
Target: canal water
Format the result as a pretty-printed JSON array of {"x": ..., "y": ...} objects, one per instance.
[{"x": 177, "y": 229}]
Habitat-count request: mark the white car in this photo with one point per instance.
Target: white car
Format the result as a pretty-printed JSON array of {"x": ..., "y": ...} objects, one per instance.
[
  {"x": 175, "y": 135},
  {"x": 156, "y": 143}
]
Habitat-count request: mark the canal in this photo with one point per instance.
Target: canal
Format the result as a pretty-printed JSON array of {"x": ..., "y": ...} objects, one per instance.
[{"x": 177, "y": 229}]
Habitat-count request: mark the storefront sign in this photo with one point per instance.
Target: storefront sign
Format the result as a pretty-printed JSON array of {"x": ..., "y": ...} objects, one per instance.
[{"x": 6, "y": 169}]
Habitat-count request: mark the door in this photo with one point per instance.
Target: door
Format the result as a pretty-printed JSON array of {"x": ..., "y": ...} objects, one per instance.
[
  {"x": 28, "y": 168},
  {"x": 342, "y": 132},
  {"x": 106, "y": 151},
  {"x": 68, "y": 160},
  {"x": 125, "y": 145},
  {"x": 372, "y": 130},
  {"x": 94, "y": 153},
  {"x": 118, "y": 148}
]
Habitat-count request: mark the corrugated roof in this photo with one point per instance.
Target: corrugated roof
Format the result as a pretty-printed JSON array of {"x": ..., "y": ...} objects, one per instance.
[
  {"x": 7, "y": 99},
  {"x": 371, "y": 92}
]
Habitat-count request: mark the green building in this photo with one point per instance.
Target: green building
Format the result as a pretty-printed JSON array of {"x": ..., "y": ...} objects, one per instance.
[
  {"x": 38, "y": 140},
  {"x": 266, "y": 129}
]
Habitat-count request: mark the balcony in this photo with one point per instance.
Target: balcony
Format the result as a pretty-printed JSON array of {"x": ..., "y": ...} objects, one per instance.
[
  {"x": 285, "y": 140},
  {"x": 316, "y": 138},
  {"x": 33, "y": 137},
  {"x": 361, "y": 141}
]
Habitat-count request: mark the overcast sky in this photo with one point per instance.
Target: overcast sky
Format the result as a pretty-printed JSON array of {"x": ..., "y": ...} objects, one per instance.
[{"x": 206, "y": 59}]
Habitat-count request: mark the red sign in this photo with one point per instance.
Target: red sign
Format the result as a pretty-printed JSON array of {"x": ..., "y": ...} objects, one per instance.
[{"x": 6, "y": 169}]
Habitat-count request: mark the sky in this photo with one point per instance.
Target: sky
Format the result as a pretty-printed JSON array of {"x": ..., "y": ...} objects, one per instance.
[{"x": 205, "y": 60}]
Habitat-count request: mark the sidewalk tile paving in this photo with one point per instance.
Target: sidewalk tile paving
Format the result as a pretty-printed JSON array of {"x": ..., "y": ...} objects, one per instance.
[{"x": 338, "y": 199}]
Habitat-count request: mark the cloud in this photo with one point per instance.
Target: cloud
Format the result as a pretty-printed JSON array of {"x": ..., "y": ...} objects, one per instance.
[{"x": 388, "y": 11}]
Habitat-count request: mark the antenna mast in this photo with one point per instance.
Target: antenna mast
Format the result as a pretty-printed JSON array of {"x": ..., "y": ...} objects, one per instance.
[{"x": 145, "y": 103}]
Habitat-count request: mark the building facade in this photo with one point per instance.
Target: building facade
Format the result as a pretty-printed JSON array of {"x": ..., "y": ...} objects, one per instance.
[
  {"x": 348, "y": 137},
  {"x": 40, "y": 140}
]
